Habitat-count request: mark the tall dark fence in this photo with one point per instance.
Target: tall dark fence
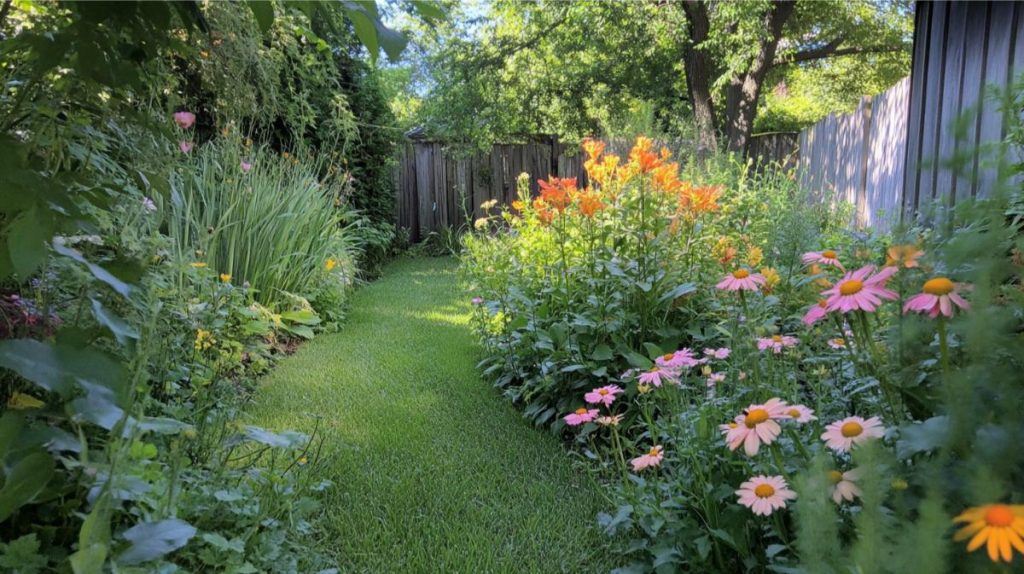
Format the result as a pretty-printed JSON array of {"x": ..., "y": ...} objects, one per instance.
[{"x": 439, "y": 184}]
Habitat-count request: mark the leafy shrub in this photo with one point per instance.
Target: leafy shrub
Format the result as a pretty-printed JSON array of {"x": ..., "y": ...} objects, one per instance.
[
  {"x": 259, "y": 218},
  {"x": 748, "y": 411}
]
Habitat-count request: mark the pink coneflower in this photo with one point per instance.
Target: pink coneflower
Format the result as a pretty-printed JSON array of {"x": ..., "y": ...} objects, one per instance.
[
  {"x": 604, "y": 395},
  {"x": 741, "y": 279},
  {"x": 477, "y": 300},
  {"x": 582, "y": 415},
  {"x": 677, "y": 360},
  {"x": 652, "y": 458},
  {"x": 715, "y": 378},
  {"x": 860, "y": 290},
  {"x": 719, "y": 354},
  {"x": 656, "y": 376},
  {"x": 776, "y": 343},
  {"x": 837, "y": 343},
  {"x": 246, "y": 166},
  {"x": 841, "y": 435},
  {"x": 843, "y": 486},
  {"x": 185, "y": 146},
  {"x": 765, "y": 494},
  {"x": 184, "y": 119},
  {"x": 816, "y": 313},
  {"x": 800, "y": 413},
  {"x": 827, "y": 257},
  {"x": 938, "y": 296},
  {"x": 755, "y": 425}
]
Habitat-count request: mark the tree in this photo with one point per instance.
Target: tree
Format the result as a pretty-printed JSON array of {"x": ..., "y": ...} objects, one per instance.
[{"x": 764, "y": 35}]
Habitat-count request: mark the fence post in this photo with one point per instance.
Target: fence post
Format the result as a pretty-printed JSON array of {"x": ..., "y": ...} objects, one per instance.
[{"x": 862, "y": 179}]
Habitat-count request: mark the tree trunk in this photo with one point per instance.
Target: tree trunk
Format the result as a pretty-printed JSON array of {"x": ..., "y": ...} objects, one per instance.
[
  {"x": 745, "y": 90},
  {"x": 699, "y": 70}
]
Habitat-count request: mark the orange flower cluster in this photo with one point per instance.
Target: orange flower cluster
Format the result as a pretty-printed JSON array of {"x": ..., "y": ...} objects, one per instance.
[
  {"x": 557, "y": 193},
  {"x": 602, "y": 170},
  {"x": 697, "y": 200}
]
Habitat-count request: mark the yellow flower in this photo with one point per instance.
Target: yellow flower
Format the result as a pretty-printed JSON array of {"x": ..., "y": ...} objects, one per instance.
[
  {"x": 754, "y": 256},
  {"x": 21, "y": 401},
  {"x": 644, "y": 388},
  {"x": 225, "y": 277},
  {"x": 204, "y": 340},
  {"x": 480, "y": 224},
  {"x": 771, "y": 278},
  {"x": 330, "y": 264},
  {"x": 303, "y": 461},
  {"x": 902, "y": 256},
  {"x": 1000, "y": 525},
  {"x": 198, "y": 265}
]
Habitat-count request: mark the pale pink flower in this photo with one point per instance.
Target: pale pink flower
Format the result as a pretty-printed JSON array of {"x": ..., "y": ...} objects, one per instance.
[
  {"x": 741, "y": 279},
  {"x": 776, "y": 343},
  {"x": 800, "y": 413},
  {"x": 246, "y": 166},
  {"x": 837, "y": 343},
  {"x": 719, "y": 354},
  {"x": 860, "y": 290},
  {"x": 582, "y": 415},
  {"x": 843, "y": 486},
  {"x": 937, "y": 296},
  {"x": 184, "y": 119},
  {"x": 477, "y": 300},
  {"x": 604, "y": 395},
  {"x": 841, "y": 435},
  {"x": 715, "y": 378},
  {"x": 816, "y": 313},
  {"x": 652, "y": 458},
  {"x": 827, "y": 257},
  {"x": 755, "y": 426},
  {"x": 185, "y": 146},
  {"x": 677, "y": 360},
  {"x": 148, "y": 204},
  {"x": 765, "y": 494},
  {"x": 656, "y": 376},
  {"x": 609, "y": 420}
]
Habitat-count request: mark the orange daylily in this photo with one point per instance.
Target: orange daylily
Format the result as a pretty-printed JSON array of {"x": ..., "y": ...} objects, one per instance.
[
  {"x": 697, "y": 200},
  {"x": 902, "y": 256},
  {"x": 590, "y": 203},
  {"x": 557, "y": 192},
  {"x": 594, "y": 148},
  {"x": 641, "y": 156},
  {"x": 666, "y": 178}
]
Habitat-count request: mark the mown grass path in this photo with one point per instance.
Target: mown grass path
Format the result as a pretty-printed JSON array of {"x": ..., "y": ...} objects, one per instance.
[{"x": 434, "y": 470}]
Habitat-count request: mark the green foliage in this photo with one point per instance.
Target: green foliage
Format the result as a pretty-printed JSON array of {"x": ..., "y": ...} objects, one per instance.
[{"x": 274, "y": 226}]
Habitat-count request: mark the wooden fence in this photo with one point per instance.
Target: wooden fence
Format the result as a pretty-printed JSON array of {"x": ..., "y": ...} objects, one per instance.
[
  {"x": 859, "y": 157},
  {"x": 440, "y": 185}
]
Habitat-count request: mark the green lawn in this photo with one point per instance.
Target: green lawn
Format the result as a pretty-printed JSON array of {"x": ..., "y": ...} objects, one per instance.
[{"x": 434, "y": 470}]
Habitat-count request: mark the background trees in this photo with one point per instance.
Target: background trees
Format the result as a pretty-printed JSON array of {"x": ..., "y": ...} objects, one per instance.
[{"x": 724, "y": 69}]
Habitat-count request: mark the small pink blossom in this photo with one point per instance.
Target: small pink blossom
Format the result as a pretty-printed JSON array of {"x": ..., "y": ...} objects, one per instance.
[
  {"x": 827, "y": 257},
  {"x": 477, "y": 300},
  {"x": 580, "y": 416},
  {"x": 755, "y": 426},
  {"x": 776, "y": 343},
  {"x": 651, "y": 459},
  {"x": 843, "y": 485},
  {"x": 719, "y": 354},
  {"x": 800, "y": 413},
  {"x": 715, "y": 378},
  {"x": 185, "y": 146},
  {"x": 841, "y": 435},
  {"x": 741, "y": 280},
  {"x": 678, "y": 360},
  {"x": 938, "y": 296},
  {"x": 246, "y": 166},
  {"x": 609, "y": 420},
  {"x": 837, "y": 343},
  {"x": 603, "y": 395},
  {"x": 816, "y": 313},
  {"x": 658, "y": 375},
  {"x": 148, "y": 204},
  {"x": 184, "y": 119},
  {"x": 765, "y": 494},
  {"x": 860, "y": 290}
]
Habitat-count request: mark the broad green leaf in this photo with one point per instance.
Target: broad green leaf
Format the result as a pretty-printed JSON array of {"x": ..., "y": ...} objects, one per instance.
[
  {"x": 27, "y": 239},
  {"x": 98, "y": 406},
  {"x": 151, "y": 540},
  {"x": 55, "y": 367},
  {"x": 27, "y": 478},
  {"x": 10, "y": 427},
  {"x": 428, "y": 10},
  {"x": 365, "y": 31},
  {"x": 22, "y": 402},
  {"x": 602, "y": 352},
  {"x": 162, "y": 425},
  {"x": 98, "y": 272},
  {"x": 263, "y": 12},
  {"x": 119, "y": 327},
  {"x": 304, "y": 316},
  {"x": 89, "y": 560}
]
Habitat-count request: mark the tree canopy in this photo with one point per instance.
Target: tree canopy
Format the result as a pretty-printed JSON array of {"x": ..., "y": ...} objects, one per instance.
[{"x": 725, "y": 69}]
